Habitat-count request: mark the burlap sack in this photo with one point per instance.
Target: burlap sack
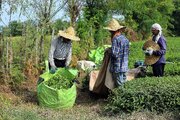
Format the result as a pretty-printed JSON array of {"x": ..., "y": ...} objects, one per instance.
[{"x": 104, "y": 78}]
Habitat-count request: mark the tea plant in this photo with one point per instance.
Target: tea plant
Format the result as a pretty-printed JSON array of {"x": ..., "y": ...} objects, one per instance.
[
  {"x": 59, "y": 81},
  {"x": 155, "y": 94}
]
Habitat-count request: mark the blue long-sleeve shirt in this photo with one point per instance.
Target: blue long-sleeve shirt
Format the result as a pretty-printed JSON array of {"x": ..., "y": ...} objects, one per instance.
[
  {"x": 162, "y": 44},
  {"x": 120, "y": 52}
]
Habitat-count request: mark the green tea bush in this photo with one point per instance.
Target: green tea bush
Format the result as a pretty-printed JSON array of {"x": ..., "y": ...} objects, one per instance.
[
  {"x": 172, "y": 69},
  {"x": 154, "y": 94}
]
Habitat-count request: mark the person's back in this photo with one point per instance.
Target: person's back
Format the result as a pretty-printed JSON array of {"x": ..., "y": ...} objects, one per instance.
[
  {"x": 120, "y": 57},
  {"x": 119, "y": 52}
]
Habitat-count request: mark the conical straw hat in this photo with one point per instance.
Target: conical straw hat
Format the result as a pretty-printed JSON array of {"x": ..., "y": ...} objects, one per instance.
[
  {"x": 114, "y": 25},
  {"x": 149, "y": 60},
  {"x": 69, "y": 33}
]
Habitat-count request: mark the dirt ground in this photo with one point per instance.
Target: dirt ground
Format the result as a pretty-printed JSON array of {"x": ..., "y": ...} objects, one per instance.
[
  {"x": 87, "y": 106},
  {"x": 26, "y": 93}
]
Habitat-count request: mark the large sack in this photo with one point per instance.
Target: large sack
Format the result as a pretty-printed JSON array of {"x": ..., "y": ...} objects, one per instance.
[
  {"x": 93, "y": 77},
  {"x": 57, "y": 98},
  {"x": 109, "y": 82},
  {"x": 104, "y": 76}
]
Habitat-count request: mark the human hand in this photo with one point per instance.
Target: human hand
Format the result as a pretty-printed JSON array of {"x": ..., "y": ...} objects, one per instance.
[
  {"x": 76, "y": 81},
  {"x": 108, "y": 50},
  {"x": 148, "y": 52},
  {"x": 143, "y": 49},
  {"x": 66, "y": 67},
  {"x": 53, "y": 70}
]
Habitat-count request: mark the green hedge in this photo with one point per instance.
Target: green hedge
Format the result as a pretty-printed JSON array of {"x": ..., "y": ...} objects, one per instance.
[{"x": 155, "y": 94}]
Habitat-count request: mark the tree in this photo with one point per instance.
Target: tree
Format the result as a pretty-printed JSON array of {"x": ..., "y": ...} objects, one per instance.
[
  {"x": 95, "y": 13},
  {"x": 15, "y": 28},
  {"x": 43, "y": 11},
  {"x": 60, "y": 25},
  {"x": 175, "y": 17},
  {"x": 141, "y": 14},
  {"x": 6, "y": 42},
  {"x": 0, "y": 4},
  {"x": 73, "y": 9}
]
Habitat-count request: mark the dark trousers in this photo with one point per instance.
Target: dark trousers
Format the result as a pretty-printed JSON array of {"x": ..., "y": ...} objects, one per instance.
[
  {"x": 158, "y": 70},
  {"x": 58, "y": 63}
]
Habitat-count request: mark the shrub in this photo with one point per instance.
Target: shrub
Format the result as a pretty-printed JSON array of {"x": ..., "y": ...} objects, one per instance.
[
  {"x": 155, "y": 94},
  {"x": 172, "y": 69}
]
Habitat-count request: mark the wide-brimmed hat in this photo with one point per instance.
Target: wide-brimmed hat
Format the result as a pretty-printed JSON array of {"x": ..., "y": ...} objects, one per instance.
[
  {"x": 149, "y": 60},
  {"x": 114, "y": 25},
  {"x": 69, "y": 33}
]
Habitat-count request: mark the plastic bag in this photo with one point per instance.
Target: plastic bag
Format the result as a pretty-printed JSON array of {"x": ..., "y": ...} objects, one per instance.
[{"x": 57, "y": 98}]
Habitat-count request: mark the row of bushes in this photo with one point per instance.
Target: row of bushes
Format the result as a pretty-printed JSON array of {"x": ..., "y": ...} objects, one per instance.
[{"x": 154, "y": 94}]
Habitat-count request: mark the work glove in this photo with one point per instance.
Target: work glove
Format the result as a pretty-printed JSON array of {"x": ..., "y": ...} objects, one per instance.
[
  {"x": 143, "y": 49},
  {"x": 76, "y": 81},
  {"x": 148, "y": 52},
  {"x": 66, "y": 67},
  {"x": 53, "y": 70}
]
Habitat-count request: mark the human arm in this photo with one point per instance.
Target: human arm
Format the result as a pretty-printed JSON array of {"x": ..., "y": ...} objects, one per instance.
[
  {"x": 162, "y": 44},
  {"x": 68, "y": 59},
  {"x": 116, "y": 47},
  {"x": 51, "y": 53}
]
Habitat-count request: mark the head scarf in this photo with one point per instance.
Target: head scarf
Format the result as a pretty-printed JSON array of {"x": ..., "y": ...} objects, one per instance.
[{"x": 157, "y": 27}]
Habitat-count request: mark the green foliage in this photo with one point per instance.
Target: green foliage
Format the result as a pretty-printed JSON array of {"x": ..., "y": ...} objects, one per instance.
[
  {"x": 15, "y": 29},
  {"x": 3, "y": 100},
  {"x": 175, "y": 19},
  {"x": 154, "y": 94},
  {"x": 141, "y": 14},
  {"x": 90, "y": 27},
  {"x": 59, "y": 25},
  {"x": 154, "y": 12},
  {"x": 61, "y": 80},
  {"x": 18, "y": 114},
  {"x": 172, "y": 56},
  {"x": 135, "y": 53},
  {"x": 172, "y": 69},
  {"x": 97, "y": 55},
  {"x": 85, "y": 31},
  {"x": 96, "y": 13},
  {"x": 17, "y": 75}
]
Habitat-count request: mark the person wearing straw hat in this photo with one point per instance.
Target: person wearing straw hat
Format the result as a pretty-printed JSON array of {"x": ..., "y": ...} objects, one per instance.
[
  {"x": 119, "y": 52},
  {"x": 159, "y": 39},
  {"x": 61, "y": 49}
]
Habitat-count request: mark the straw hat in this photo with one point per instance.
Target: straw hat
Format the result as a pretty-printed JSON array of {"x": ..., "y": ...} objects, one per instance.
[
  {"x": 69, "y": 33},
  {"x": 149, "y": 60},
  {"x": 114, "y": 25}
]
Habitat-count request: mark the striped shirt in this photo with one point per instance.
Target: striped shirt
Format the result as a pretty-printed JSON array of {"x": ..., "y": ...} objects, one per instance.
[
  {"x": 60, "y": 50},
  {"x": 120, "y": 52}
]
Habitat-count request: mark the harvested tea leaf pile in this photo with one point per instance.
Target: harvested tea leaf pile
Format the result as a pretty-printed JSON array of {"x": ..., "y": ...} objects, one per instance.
[{"x": 61, "y": 80}]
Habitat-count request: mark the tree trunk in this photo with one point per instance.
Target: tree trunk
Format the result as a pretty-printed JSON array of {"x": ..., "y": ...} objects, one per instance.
[
  {"x": 36, "y": 48},
  {"x": 2, "y": 56}
]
